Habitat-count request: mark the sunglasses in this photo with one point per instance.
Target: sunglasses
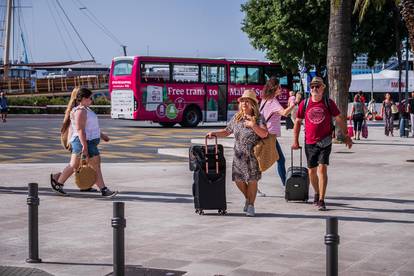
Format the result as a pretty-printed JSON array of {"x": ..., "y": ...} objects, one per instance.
[{"x": 315, "y": 86}]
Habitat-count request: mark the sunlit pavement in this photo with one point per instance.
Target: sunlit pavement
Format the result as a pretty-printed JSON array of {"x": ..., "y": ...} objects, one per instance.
[{"x": 370, "y": 191}]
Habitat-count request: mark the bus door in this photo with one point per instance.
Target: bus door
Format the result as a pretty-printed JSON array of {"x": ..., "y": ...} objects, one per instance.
[
  {"x": 211, "y": 103},
  {"x": 222, "y": 102}
]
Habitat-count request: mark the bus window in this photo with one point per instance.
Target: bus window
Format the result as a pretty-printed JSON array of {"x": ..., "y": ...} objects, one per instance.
[
  {"x": 155, "y": 72},
  {"x": 296, "y": 83},
  {"x": 122, "y": 68},
  {"x": 238, "y": 74},
  {"x": 270, "y": 71},
  {"x": 253, "y": 75},
  {"x": 213, "y": 74},
  {"x": 283, "y": 81},
  {"x": 185, "y": 73}
]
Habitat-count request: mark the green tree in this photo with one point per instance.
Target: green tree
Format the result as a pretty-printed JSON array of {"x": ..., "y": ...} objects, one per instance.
[
  {"x": 407, "y": 12},
  {"x": 366, "y": 8},
  {"x": 286, "y": 29}
]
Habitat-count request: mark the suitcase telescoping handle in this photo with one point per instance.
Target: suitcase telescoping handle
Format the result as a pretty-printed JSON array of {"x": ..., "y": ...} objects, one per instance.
[
  {"x": 215, "y": 152},
  {"x": 291, "y": 156}
]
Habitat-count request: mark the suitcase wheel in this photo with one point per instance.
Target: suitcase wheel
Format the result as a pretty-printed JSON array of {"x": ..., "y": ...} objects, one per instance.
[{"x": 222, "y": 212}]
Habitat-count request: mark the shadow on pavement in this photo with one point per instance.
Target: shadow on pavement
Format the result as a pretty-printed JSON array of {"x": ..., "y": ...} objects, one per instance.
[
  {"x": 392, "y": 200},
  {"x": 123, "y": 196},
  {"x": 70, "y": 263},
  {"x": 296, "y": 216}
]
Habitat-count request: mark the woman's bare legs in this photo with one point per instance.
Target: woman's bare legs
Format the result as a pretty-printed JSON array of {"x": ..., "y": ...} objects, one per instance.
[
  {"x": 252, "y": 192},
  {"x": 95, "y": 163},
  {"x": 242, "y": 187},
  {"x": 69, "y": 170}
]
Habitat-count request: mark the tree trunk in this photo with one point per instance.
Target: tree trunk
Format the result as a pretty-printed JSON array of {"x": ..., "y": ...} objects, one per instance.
[
  {"x": 339, "y": 56},
  {"x": 407, "y": 11}
]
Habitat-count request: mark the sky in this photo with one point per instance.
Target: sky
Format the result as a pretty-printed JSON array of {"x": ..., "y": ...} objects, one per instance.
[{"x": 187, "y": 28}]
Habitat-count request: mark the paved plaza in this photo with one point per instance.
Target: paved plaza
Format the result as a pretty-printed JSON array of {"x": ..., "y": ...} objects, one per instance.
[{"x": 370, "y": 191}]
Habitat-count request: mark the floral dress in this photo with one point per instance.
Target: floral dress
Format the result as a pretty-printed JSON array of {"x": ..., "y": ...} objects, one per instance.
[
  {"x": 245, "y": 166},
  {"x": 388, "y": 118}
]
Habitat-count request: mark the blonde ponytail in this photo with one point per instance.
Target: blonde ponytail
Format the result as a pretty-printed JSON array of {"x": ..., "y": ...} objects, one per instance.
[{"x": 64, "y": 131}]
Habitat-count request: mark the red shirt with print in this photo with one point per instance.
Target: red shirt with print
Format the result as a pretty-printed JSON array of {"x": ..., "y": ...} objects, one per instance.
[{"x": 318, "y": 119}]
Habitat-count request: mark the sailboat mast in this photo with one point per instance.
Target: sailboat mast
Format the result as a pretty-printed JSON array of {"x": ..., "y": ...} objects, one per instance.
[{"x": 7, "y": 36}]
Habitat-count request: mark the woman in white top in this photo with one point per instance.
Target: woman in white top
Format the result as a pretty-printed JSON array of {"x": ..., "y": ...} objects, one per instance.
[
  {"x": 272, "y": 112},
  {"x": 85, "y": 134}
]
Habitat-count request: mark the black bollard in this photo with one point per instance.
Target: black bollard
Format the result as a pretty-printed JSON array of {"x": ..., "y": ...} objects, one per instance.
[
  {"x": 119, "y": 223},
  {"x": 332, "y": 241},
  {"x": 33, "y": 203}
]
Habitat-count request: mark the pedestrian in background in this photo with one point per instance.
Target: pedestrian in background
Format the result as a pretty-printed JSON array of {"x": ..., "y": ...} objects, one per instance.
[
  {"x": 85, "y": 136},
  {"x": 318, "y": 137},
  {"x": 358, "y": 116},
  {"x": 410, "y": 109},
  {"x": 371, "y": 109},
  {"x": 361, "y": 97},
  {"x": 272, "y": 111},
  {"x": 386, "y": 114},
  {"x": 248, "y": 128},
  {"x": 4, "y": 107}
]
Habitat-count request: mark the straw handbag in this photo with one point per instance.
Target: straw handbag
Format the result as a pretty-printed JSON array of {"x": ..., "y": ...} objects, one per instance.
[
  {"x": 266, "y": 153},
  {"x": 85, "y": 176}
]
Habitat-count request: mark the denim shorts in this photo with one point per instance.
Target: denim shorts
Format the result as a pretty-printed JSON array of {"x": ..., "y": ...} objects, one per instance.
[{"x": 92, "y": 147}]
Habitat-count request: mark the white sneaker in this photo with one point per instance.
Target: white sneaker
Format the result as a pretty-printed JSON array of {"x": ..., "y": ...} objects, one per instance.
[
  {"x": 246, "y": 204},
  {"x": 250, "y": 211}
]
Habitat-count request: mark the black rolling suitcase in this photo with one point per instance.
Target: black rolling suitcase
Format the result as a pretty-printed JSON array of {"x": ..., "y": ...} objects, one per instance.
[
  {"x": 297, "y": 182},
  {"x": 209, "y": 187}
]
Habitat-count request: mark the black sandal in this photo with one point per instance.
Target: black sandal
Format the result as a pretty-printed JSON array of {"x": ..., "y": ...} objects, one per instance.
[{"x": 56, "y": 186}]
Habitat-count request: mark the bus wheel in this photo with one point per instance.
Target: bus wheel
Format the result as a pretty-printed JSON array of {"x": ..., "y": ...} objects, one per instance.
[
  {"x": 191, "y": 117},
  {"x": 166, "y": 124}
]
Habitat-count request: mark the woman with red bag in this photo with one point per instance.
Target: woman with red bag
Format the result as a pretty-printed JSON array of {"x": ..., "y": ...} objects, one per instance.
[{"x": 358, "y": 116}]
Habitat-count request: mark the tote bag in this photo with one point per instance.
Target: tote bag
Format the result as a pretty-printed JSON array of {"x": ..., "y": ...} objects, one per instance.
[
  {"x": 350, "y": 129},
  {"x": 85, "y": 176},
  {"x": 265, "y": 152},
  {"x": 364, "y": 130}
]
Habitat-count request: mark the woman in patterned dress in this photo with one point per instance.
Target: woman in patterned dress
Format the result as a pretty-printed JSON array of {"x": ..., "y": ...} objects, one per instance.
[
  {"x": 386, "y": 113},
  {"x": 248, "y": 128}
]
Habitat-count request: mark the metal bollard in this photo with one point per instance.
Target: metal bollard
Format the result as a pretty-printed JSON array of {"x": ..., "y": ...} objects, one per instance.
[
  {"x": 33, "y": 203},
  {"x": 332, "y": 241},
  {"x": 118, "y": 223}
]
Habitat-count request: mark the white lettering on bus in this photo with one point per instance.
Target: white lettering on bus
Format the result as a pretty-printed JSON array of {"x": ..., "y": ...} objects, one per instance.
[
  {"x": 212, "y": 92},
  {"x": 194, "y": 92},
  {"x": 238, "y": 91},
  {"x": 175, "y": 91},
  {"x": 121, "y": 82}
]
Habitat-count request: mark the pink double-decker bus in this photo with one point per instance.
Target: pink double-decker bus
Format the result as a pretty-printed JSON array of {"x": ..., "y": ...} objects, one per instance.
[{"x": 170, "y": 90}]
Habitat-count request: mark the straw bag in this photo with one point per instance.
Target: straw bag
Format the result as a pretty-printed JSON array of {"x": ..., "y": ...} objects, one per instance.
[
  {"x": 265, "y": 152},
  {"x": 85, "y": 176},
  {"x": 394, "y": 109}
]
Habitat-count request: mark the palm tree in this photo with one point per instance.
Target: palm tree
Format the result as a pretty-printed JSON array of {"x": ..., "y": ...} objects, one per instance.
[
  {"x": 339, "y": 55},
  {"x": 406, "y": 8},
  {"x": 407, "y": 11}
]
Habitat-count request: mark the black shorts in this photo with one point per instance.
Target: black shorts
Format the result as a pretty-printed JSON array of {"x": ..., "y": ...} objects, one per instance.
[{"x": 317, "y": 155}]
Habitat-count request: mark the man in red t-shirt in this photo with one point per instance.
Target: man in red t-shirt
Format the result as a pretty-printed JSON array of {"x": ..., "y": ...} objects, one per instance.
[{"x": 318, "y": 136}]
